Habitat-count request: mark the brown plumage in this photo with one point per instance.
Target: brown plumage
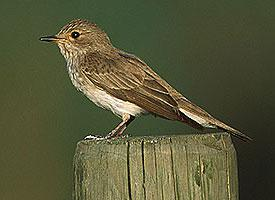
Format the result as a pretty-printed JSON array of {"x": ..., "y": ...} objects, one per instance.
[{"x": 123, "y": 83}]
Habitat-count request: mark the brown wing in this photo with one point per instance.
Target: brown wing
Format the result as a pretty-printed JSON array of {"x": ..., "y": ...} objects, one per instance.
[
  {"x": 127, "y": 79},
  {"x": 189, "y": 112}
]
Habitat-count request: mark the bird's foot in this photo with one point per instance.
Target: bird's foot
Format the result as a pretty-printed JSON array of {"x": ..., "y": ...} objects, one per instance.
[
  {"x": 124, "y": 136},
  {"x": 111, "y": 135}
]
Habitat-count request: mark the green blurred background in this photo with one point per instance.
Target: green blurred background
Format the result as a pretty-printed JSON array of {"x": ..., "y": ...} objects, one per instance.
[{"x": 220, "y": 54}]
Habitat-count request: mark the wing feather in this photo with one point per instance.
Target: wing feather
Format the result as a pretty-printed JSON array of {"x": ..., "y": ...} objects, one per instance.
[{"x": 129, "y": 82}]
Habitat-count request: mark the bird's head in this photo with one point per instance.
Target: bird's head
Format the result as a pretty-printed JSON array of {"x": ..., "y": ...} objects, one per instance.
[{"x": 79, "y": 37}]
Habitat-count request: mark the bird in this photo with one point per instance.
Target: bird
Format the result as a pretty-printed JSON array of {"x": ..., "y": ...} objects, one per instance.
[{"x": 123, "y": 83}]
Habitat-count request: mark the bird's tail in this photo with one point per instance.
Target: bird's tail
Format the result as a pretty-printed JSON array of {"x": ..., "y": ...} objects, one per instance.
[
  {"x": 230, "y": 130},
  {"x": 198, "y": 118}
]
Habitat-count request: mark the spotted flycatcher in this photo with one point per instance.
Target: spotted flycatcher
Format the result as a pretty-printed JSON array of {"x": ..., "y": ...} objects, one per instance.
[{"x": 123, "y": 83}]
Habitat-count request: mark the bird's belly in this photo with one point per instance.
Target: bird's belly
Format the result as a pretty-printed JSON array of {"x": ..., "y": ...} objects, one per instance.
[{"x": 106, "y": 101}]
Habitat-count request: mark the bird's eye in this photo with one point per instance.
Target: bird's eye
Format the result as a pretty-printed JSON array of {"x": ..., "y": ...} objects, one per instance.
[{"x": 75, "y": 34}]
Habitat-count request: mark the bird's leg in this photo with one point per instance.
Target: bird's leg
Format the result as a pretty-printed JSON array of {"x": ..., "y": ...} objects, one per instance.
[{"x": 118, "y": 131}]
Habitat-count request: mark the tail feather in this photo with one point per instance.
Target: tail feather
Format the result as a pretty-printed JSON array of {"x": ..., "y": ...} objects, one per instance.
[
  {"x": 231, "y": 130},
  {"x": 205, "y": 120}
]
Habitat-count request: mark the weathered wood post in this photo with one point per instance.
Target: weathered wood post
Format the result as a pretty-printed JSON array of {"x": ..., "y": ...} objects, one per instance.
[{"x": 182, "y": 167}]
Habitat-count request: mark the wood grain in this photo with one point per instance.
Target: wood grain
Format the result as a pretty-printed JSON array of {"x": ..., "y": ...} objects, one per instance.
[{"x": 182, "y": 167}]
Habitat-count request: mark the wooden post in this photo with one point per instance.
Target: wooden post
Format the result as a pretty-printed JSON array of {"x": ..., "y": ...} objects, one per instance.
[{"x": 182, "y": 167}]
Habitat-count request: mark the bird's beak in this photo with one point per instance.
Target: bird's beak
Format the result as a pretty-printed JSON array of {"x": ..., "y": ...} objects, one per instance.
[{"x": 51, "y": 38}]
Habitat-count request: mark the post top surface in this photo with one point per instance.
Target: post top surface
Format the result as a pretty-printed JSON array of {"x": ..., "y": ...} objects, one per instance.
[{"x": 219, "y": 141}]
